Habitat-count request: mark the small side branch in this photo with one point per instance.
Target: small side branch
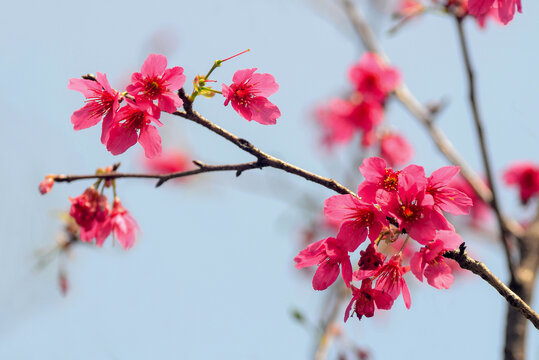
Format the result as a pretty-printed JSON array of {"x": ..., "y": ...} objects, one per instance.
[{"x": 480, "y": 269}]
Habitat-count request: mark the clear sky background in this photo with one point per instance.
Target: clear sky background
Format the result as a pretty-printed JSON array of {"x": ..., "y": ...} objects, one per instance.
[{"x": 212, "y": 274}]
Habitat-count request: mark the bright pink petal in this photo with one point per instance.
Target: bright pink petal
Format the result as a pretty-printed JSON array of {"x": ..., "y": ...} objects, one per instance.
[
  {"x": 120, "y": 139},
  {"x": 243, "y": 75},
  {"x": 263, "y": 111},
  {"x": 154, "y": 65},
  {"x": 151, "y": 141},
  {"x": 86, "y": 87},
  {"x": 85, "y": 117},
  {"x": 265, "y": 84},
  {"x": 439, "y": 275},
  {"x": 325, "y": 275}
]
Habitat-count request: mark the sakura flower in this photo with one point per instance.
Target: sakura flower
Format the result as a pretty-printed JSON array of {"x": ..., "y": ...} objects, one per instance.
[
  {"x": 412, "y": 207},
  {"x": 373, "y": 78},
  {"x": 121, "y": 224},
  {"x": 46, "y": 185},
  {"x": 329, "y": 255},
  {"x": 102, "y": 101},
  {"x": 156, "y": 82},
  {"x": 89, "y": 210},
  {"x": 445, "y": 197},
  {"x": 248, "y": 94},
  {"x": 525, "y": 176},
  {"x": 132, "y": 123},
  {"x": 356, "y": 217},
  {"x": 170, "y": 161},
  {"x": 366, "y": 299},
  {"x": 429, "y": 261},
  {"x": 389, "y": 279},
  {"x": 506, "y": 8},
  {"x": 370, "y": 261},
  {"x": 341, "y": 119},
  {"x": 377, "y": 177},
  {"x": 395, "y": 149}
]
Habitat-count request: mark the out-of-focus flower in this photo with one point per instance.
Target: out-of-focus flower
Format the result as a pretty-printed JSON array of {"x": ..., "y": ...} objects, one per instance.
[
  {"x": 373, "y": 78},
  {"x": 248, "y": 94},
  {"x": 170, "y": 161},
  {"x": 46, "y": 185},
  {"x": 121, "y": 224},
  {"x": 395, "y": 149},
  {"x": 525, "y": 176},
  {"x": 506, "y": 8}
]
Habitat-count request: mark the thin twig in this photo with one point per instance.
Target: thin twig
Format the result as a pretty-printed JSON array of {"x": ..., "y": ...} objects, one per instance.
[
  {"x": 504, "y": 233},
  {"x": 419, "y": 111},
  {"x": 480, "y": 269},
  {"x": 202, "y": 168}
]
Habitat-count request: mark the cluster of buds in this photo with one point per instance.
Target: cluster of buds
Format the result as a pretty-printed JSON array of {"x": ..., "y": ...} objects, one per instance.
[
  {"x": 363, "y": 110},
  {"x": 390, "y": 207},
  {"x": 155, "y": 89}
]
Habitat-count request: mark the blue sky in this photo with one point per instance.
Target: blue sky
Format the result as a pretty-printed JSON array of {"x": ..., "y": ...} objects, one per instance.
[{"x": 212, "y": 274}]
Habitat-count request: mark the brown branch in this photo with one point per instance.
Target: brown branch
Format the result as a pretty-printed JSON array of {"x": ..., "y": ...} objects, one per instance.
[
  {"x": 504, "y": 232},
  {"x": 262, "y": 157},
  {"x": 480, "y": 269},
  {"x": 202, "y": 168}
]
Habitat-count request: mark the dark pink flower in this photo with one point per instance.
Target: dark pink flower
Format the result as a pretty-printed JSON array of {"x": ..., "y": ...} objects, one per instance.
[
  {"x": 132, "y": 123},
  {"x": 389, "y": 279},
  {"x": 429, "y": 261},
  {"x": 329, "y": 255},
  {"x": 413, "y": 207},
  {"x": 342, "y": 119},
  {"x": 356, "y": 219},
  {"x": 525, "y": 176},
  {"x": 366, "y": 299},
  {"x": 46, "y": 185},
  {"x": 248, "y": 94},
  {"x": 370, "y": 261},
  {"x": 377, "y": 177},
  {"x": 156, "y": 82},
  {"x": 121, "y": 224},
  {"x": 170, "y": 161},
  {"x": 395, "y": 149},
  {"x": 447, "y": 198},
  {"x": 89, "y": 210},
  {"x": 373, "y": 78},
  {"x": 102, "y": 101},
  {"x": 506, "y": 8}
]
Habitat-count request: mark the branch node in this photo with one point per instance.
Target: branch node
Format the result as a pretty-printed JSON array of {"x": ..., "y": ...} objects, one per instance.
[{"x": 187, "y": 104}]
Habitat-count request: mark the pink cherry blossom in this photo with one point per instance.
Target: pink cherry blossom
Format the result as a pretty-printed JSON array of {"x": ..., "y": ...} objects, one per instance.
[
  {"x": 356, "y": 217},
  {"x": 389, "y": 279},
  {"x": 447, "y": 198},
  {"x": 132, "y": 123},
  {"x": 329, "y": 255},
  {"x": 395, "y": 149},
  {"x": 89, "y": 210},
  {"x": 121, "y": 224},
  {"x": 156, "y": 82},
  {"x": 248, "y": 94},
  {"x": 370, "y": 261},
  {"x": 170, "y": 161},
  {"x": 373, "y": 78},
  {"x": 46, "y": 185},
  {"x": 506, "y": 8},
  {"x": 429, "y": 261},
  {"x": 525, "y": 176},
  {"x": 340, "y": 120},
  {"x": 481, "y": 212},
  {"x": 366, "y": 299},
  {"x": 102, "y": 101},
  {"x": 377, "y": 177},
  {"x": 412, "y": 207}
]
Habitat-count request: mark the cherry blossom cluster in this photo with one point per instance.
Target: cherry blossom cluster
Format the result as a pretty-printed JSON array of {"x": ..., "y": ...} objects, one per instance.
[
  {"x": 501, "y": 11},
  {"x": 391, "y": 207},
  {"x": 133, "y": 115},
  {"x": 363, "y": 110}
]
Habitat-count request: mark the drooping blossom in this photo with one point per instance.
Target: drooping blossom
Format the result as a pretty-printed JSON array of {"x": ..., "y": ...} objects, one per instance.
[
  {"x": 370, "y": 261},
  {"x": 122, "y": 225},
  {"x": 356, "y": 218},
  {"x": 429, "y": 261},
  {"x": 132, "y": 123},
  {"x": 170, "y": 161},
  {"x": 248, "y": 95},
  {"x": 329, "y": 255},
  {"x": 413, "y": 207},
  {"x": 89, "y": 210},
  {"x": 156, "y": 82},
  {"x": 525, "y": 176},
  {"x": 446, "y": 197},
  {"x": 373, "y": 78},
  {"x": 506, "y": 8},
  {"x": 395, "y": 149},
  {"x": 102, "y": 102},
  {"x": 366, "y": 299},
  {"x": 389, "y": 279},
  {"x": 341, "y": 119},
  {"x": 46, "y": 185}
]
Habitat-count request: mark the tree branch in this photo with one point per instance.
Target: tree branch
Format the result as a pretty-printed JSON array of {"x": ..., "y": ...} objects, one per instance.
[{"x": 480, "y": 269}]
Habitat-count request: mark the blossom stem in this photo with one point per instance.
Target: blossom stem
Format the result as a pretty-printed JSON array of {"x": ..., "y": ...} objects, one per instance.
[{"x": 404, "y": 244}]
